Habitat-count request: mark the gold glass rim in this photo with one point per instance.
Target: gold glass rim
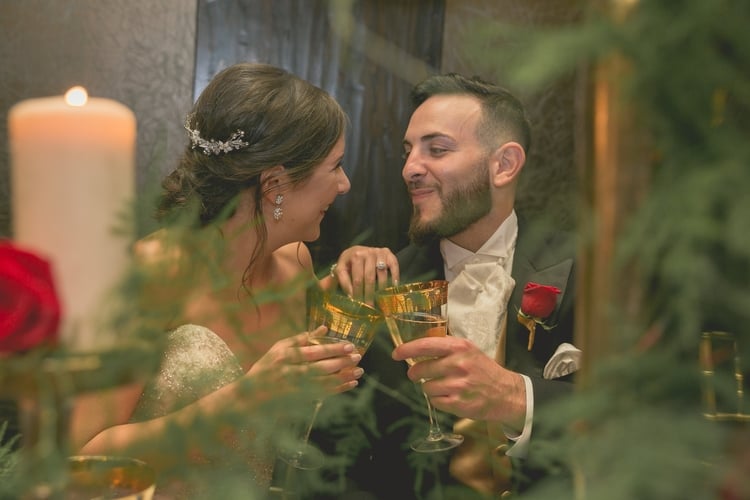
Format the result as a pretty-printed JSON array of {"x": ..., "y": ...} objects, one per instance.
[
  {"x": 412, "y": 296},
  {"x": 417, "y": 286},
  {"x": 353, "y": 307}
]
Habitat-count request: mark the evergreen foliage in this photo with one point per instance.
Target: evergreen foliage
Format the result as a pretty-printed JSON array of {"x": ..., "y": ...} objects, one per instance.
[{"x": 638, "y": 431}]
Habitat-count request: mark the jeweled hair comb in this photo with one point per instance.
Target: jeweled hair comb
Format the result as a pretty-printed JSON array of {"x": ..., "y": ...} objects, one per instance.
[{"x": 212, "y": 146}]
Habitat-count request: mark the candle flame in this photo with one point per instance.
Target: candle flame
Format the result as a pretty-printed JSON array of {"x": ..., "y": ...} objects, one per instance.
[{"x": 76, "y": 96}]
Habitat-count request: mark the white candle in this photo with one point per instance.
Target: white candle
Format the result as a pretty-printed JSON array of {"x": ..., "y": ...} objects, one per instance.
[{"x": 72, "y": 171}]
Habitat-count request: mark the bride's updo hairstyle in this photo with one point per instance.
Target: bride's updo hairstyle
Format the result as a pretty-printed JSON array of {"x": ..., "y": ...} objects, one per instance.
[{"x": 249, "y": 118}]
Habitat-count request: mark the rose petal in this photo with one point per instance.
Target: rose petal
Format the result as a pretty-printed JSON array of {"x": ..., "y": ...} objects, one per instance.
[
  {"x": 538, "y": 301},
  {"x": 29, "y": 305}
]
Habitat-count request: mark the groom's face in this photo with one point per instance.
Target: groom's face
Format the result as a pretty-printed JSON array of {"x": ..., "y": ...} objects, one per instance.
[{"x": 446, "y": 168}]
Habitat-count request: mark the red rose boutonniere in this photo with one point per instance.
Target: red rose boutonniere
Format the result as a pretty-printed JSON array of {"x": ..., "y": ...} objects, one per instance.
[
  {"x": 29, "y": 305},
  {"x": 537, "y": 304}
]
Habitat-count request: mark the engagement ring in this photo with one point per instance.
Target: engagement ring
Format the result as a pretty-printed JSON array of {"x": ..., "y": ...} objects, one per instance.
[
  {"x": 332, "y": 272},
  {"x": 380, "y": 266}
]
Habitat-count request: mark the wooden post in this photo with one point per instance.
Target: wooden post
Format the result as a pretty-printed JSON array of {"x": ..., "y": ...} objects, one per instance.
[{"x": 614, "y": 158}]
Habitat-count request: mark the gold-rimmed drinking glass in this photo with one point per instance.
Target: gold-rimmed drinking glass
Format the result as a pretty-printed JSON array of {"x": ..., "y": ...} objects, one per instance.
[
  {"x": 348, "y": 320},
  {"x": 110, "y": 477},
  {"x": 413, "y": 311}
]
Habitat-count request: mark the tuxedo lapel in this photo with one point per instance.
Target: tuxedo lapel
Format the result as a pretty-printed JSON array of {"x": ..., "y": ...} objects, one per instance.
[
  {"x": 546, "y": 260},
  {"x": 555, "y": 275}
]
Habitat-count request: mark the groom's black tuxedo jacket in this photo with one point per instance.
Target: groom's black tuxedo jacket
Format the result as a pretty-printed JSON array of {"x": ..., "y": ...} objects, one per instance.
[{"x": 389, "y": 468}]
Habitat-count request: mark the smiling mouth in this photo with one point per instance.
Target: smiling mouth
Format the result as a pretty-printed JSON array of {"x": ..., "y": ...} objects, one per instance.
[{"x": 419, "y": 193}]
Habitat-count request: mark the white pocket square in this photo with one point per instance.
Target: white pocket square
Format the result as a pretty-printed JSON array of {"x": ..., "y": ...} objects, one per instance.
[{"x": 566, "y": 360}]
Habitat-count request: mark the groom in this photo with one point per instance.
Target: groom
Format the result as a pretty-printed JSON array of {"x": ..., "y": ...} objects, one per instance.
[{"x": 465, "y": 147}]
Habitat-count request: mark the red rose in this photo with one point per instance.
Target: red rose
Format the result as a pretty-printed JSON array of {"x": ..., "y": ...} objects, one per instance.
[
  {"x": 29, "y": 305},
  {"x": 538, "y": 301}
]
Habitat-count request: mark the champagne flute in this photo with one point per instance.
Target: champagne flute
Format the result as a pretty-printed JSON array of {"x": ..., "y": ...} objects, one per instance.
[
  {"x": 413, "y": 311},
  {"x": 348, "y": 320}
]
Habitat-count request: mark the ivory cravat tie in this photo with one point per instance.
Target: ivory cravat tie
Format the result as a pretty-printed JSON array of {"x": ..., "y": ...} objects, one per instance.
[{"x": 477, "y": 304}]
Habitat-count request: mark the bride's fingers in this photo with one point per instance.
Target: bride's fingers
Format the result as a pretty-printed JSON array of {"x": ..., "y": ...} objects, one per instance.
[
  {"x": 360, "y": 269},
  {"x": 299, "y": 340},
  {"x": 335, "y": 364},
  {"x": 342, "y": 380},
  {"x": 380, "y": 263},
  {"x": 390, "y": 267},
  {"x": 344, "y": 387},
  {"x": 313, "y": 353},
  {"x": 348, "y": 374}
]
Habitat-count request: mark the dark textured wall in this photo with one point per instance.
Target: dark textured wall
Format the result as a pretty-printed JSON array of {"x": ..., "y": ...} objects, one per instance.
[
  {"x": 549, "y": 182},
  {"x": 139, "y": 52}
]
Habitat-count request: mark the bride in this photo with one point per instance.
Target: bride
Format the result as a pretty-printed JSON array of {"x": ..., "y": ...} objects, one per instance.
[{"x": 228, "y": 277}]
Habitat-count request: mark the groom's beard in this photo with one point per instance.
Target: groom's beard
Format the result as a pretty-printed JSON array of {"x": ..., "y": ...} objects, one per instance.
[{"x": 460, "y": 208}]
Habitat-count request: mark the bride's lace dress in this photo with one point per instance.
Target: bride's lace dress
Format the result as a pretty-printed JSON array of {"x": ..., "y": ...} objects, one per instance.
[{"x": 197, "y": 362}]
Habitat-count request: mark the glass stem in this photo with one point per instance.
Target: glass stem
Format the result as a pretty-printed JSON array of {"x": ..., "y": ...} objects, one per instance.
[
  {"x": 435, "y": 433},
  {"x": 308, "y": 431}
]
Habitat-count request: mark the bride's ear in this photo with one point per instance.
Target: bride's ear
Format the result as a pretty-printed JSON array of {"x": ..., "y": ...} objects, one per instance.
[{"x": 271, "y": 180}]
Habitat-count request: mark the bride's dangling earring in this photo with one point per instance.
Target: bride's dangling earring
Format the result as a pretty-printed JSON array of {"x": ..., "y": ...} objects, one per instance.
[{"x": 278, "y": 211}]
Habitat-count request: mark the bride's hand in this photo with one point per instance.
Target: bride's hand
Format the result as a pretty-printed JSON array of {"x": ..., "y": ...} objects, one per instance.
[
  {"x": 359, "y": 269},
  {"x": 293, "y": 364}
]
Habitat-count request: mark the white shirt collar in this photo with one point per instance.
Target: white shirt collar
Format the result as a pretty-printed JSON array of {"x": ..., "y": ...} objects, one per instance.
[{"x": 502, "y": 243}]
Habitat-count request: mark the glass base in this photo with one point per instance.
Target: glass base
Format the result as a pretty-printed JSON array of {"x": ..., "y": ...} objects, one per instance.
[
  {"x": 306, "y": 457},
  {"x": 442, "y": 443}
]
